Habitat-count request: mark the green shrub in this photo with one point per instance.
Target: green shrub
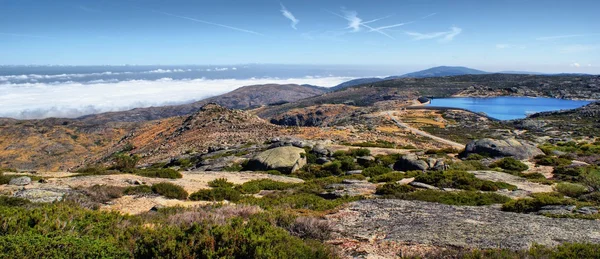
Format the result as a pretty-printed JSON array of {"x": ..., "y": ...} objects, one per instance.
[
  {"x": 125, "y": 163},
  {"x": 256, "y": 186},
  {"x": 170, "y": 190},
  {"x": 394, "y": 189},
  {"x": 103, "y": 193},
  {"x": 216, "y": 194},
  {"x": 220, "y": 183},
  {"x": 138, "y": 190},
  {"x": 443, "y": 151},
  {"x": 62, "y": 246},
  {"x": 510, "y": 164},
  {"x": 95, "y": 170},
  {"x": 376, "y": 170},
  {"x": 332, "y": 168},
  {"x": 304, "y": 201},
  {"x": 359, "y": 152},
  {"x": 388, "y": 177},
  {"x": 571, "y": 189},
  {"x": 590, "y": 177},
  {"x": 460, "y": 180},
  {"x": 462, "y": 198},
  {"x": 474, "y": 157},
  {"x": 537, "y": 201},
  {"x": 571, "y": 174},
  {"x": 12, "y": 201},
  {"x": 166, "y": 173},
  {"x": 468, "y": 165},
  {"x": 552, "y": 161},
  {"x": 387, "y": 160}
]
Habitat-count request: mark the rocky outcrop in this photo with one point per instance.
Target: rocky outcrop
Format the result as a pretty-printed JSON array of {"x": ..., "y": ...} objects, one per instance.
[
  {"x": 519, "y": 149},
  {"x": 41, "y": 195},
  {"x": 416, "y": 222},
  {"x": 20, "y": 181},
  {"x": 285, "y": 159},
  {"x": 412, "y": 162}
]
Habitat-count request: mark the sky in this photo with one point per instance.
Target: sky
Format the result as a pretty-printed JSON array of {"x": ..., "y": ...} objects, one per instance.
[{"x": 492, "y": 35}]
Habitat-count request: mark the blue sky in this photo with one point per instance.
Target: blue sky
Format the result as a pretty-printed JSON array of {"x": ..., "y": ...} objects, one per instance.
[{"x": 493, "y": 35}]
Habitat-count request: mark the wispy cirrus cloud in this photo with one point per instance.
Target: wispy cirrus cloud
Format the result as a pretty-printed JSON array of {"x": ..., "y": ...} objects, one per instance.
[
  {"x": 427, "y": 16},
  {"x": 443, "y": 36},
  {"x": 558, "y": 37},
  {"x": 356, "y": 23},
  {"x": 578, "y": 48},
  {"x": 510, "y": 46},
  {"x": 210, "y": 23},
  {"x": 287, "y": 14},
  {"x": 24, "y": 35}
]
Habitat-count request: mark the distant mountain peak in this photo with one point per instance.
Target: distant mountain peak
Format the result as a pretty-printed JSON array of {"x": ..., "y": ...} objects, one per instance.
[{"x": 443, "y": 71}]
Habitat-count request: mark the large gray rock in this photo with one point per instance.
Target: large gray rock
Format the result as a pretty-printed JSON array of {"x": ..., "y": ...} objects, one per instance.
[
  {"x": 410, "y": 162},
  {"x": 20, "y": 181},
  {"x": 285, "y": 159},
  {"x": 519, "y": 149},
  {"x": 442, "y": 225},
  {"x": 41, "y": 195}
]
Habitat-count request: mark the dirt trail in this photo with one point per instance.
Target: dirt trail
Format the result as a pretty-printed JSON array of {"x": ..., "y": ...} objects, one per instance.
[{"x": 403, "y": 125}]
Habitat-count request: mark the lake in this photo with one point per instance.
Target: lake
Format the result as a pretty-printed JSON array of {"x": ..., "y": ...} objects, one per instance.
[{"x": 508, "y": 108}]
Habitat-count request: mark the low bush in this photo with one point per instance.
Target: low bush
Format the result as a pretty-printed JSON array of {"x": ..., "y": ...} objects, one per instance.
[
  {"x": 12, "y": 201},
  {"x": 103, "y": 193},
  {"x": 216, "y": 194},
  {"x": 170, "y": 190},
  {"x": 166, "y": 173},
  {"x": 590, "y": 177},
  {"x": 460, "y": 180},
  {"x": 63, "y": 246},
  {"x": 387, "y": 160},
  {"x": 346, "y": 163},
  {"x": 474, "y": 157},
  {"x": 537, "y": 201},
  {"x": 443, "y": 151},
  {"x": 552, "y": 161},
  {"x": 303, "y": 201},
  {"x": 138, "y": 190},
  {"x": 310, "y": 228},
  {"x": 256, "y": 186},
  {"x": 376, "y": 170},
  {"x": 468, "y": 165},
  {"x": 510, "y": 164},
  {"x": 571, "y": 189},
  {"x": 389, "y": 177},
  {"x": 220, "y": 183},
  {"x": 394, "y": 189},
  {"x": 571, "y": 174},
  {"x": 462, "y": 198},
  {"x": 95, "y": 170}
]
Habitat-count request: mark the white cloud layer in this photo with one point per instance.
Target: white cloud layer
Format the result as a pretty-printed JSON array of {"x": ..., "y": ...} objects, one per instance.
[{"x": 71, "y": 99}]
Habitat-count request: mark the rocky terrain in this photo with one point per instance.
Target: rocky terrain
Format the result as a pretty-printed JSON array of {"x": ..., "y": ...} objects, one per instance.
[
  {"x": 373, "y": 226},
  {"x": 362, "y": 172}
]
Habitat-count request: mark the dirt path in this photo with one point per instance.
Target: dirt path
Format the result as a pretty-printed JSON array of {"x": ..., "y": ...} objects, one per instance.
[{"x": 403, "y": 125}]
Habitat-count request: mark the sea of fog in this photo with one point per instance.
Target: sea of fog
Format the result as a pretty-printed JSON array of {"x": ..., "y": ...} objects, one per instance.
[{"x": 33, "y": 92}]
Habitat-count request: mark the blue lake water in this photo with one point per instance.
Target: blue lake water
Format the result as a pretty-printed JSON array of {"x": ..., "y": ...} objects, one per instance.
[{"x": 508, "y": 108}]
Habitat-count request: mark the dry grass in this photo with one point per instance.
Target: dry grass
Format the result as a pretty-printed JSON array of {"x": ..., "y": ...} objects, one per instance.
[
  {"x": 310, "y": 227},
  {"x": 218, "y": 215}
]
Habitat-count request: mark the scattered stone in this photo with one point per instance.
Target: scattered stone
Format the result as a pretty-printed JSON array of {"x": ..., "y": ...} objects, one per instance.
[
  {"x": 323, "y": 160},
  {"x": 587, "y": 210},
  {"x": 133, "y": 182},
  {"x": 556, "y": 209},
  {"x": 20, "y": 181},
  {"x": 422, "y": 185},
  {"x": 410, "y": 162},
  {"x": 406, "y": 181},
  {"x": 157, "y": 207},
  {"x": 321, "y": 150},
  {"x": 365, "y": 159},
  {"x": 285, "y": 159},
  {"x": 519, "y": 149},
  {"x": 42, "y": 181}
]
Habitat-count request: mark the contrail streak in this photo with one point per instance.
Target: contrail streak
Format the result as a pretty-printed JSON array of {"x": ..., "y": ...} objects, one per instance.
[{"x": 211, "y": 23}]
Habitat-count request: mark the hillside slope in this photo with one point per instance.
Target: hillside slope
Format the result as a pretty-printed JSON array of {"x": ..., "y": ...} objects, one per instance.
[{"x": 241, "y": 98}]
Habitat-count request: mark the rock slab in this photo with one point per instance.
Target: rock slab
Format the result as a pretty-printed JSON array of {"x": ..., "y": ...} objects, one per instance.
[
  {"x": 442, "y": 225},
  {"x": 285, "y": 159}
]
